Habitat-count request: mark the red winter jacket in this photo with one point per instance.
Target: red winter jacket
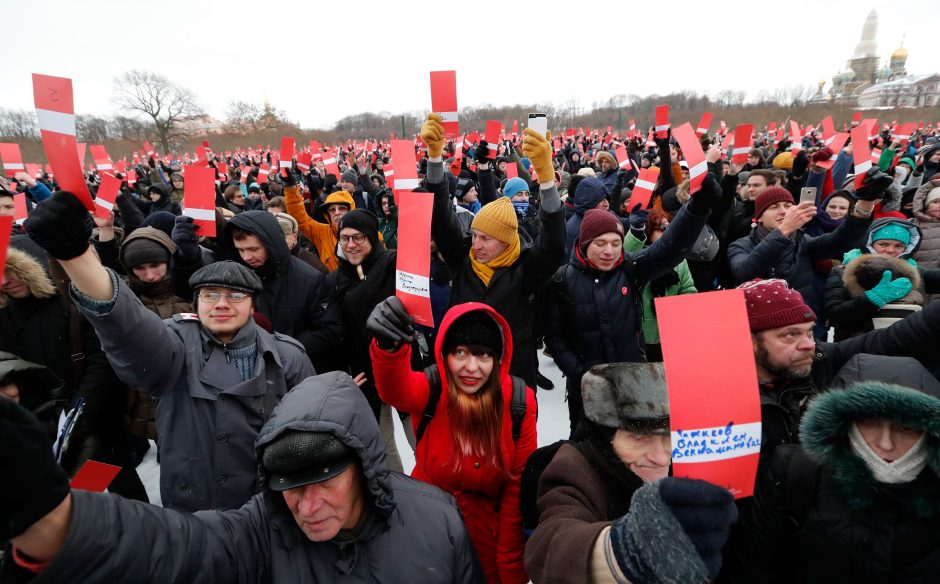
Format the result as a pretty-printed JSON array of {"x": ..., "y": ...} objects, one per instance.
[{"x": 489, "y": 503}]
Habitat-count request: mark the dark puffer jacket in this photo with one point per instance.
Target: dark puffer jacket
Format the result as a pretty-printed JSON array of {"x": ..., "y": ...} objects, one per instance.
[
  {"x": 413, "y": 531},
  {"x": 296, "y": 297},
  {"x": 819, "y": 514}
]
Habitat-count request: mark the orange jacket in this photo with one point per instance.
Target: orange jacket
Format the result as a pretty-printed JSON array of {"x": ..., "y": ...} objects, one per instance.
[{"x": 322, "y": 235}]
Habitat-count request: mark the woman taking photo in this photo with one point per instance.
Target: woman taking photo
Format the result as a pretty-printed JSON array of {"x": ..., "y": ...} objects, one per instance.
[{"x": 468, "y": 447}]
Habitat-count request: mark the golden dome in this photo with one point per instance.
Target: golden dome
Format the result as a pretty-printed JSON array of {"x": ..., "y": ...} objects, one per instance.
[{"x": 901, "y": 53}]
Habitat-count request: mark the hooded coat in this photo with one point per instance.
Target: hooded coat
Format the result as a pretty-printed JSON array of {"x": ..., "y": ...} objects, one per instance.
[
  {"x": 488, "y": 500},
  {"x": 296, "y": 297},
  {"x": 589, "y": 193},
  {"x": 164, "y": 203},
  {"x": 928, "y": 255},
  {"x": 819, "y": 514},
  {"x": 156, "y": 296},
  {"x": 412, "y": 533}
]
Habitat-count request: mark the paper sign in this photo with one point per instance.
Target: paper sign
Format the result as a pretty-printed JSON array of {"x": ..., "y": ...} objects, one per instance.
[
  {"x": 829, "y": 130},
  {"x": 287, "y": 154},
  {"x": 12, "y": 158},
  {"x": 131, "y": 177},
  {"x": 6, "y": 230},
  {"x": 692, "y": 151},
  {"x": 643, "y": 187},
  {"x": 743, "y": 138},
  {"x": 492, "y": 137},
  {"x": 101, "y": 158},
  {"x": 94, "y": 476},
  {"x": 623, "y": 160},
  {"x": 662, "y": 120},
  {"x": 512, "y": 171},
  {"x": 263, "y": 171},
  {"x": 856, "y": 118},
  {"x": 796, "y": 140},
  {"x": 905, "y": 132},
  {"x": 703, "y": 124},
  {"x": 303, "y": 161},
  {"x": 444, "y": 100},
  {"x": 53, "y": 100},
  {"x": 413, "y": 269},
  {"x": 406, "y": 174},
  {"x": 861, "y": 156},
  {"x": 80, "y": 149},
  {"x": 199, "y": 198},
  {"x": 714, "y": 403},
  {"x": 19, "y": 208},
  {"x": 148, "y": 149},
  {"x": 316, "y": 150},
  {"x": 836, "y": 145},
  {"x": 107, "y": 193},
  {"x": 872, "y": 125}
]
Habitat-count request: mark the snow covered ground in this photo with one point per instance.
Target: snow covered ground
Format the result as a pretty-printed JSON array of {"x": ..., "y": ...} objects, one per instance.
[{"x": 552, "y": 426}]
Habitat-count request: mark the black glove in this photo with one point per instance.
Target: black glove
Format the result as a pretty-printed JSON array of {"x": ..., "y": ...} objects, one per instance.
[
  {"x": 482, "y": 152},
  {"x": 329, "y": 183},
  {"x": 391, "y": 324},
  {"x": 33, "y": 484},
  {"x": 639, "y": 218},
  {"x": 648, "y": 546},
  {"x": 290, "y": 180},
  {"x": 874, "y": 186},
  {"x": 186, "y": 240},
  {"x": 800, "y": 164},
  {"x": 61, "y": 226},
  {"x": 707, "y": 197}
]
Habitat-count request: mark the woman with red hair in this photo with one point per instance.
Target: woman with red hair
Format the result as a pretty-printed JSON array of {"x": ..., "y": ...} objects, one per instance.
[{"x": 467, "y": 448}]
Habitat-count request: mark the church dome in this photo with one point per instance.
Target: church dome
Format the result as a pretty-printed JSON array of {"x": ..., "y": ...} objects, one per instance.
[{"x": 901, "y": 53}]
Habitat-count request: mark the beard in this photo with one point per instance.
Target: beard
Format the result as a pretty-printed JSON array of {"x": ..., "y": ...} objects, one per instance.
[{"x": 784, "y": 371}]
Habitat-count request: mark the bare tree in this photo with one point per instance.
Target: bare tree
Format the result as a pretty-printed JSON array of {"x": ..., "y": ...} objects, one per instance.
[
  {"x": 157, "y": 98},
  {"x": 93, "y": 129},
  {"x": 247, "y": 118},
  {"x": 18, "y": 124}
]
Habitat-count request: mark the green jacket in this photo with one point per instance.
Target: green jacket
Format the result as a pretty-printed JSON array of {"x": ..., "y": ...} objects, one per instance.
[{"x": 685, "y": 286}]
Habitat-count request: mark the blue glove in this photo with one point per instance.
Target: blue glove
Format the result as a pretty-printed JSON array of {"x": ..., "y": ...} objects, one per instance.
[
  {"x": 850, "y": 255},
  {"x": 889, "y": 290},
  {"x": 638, "y": 218},
  {"x": 674, "y": 531}
]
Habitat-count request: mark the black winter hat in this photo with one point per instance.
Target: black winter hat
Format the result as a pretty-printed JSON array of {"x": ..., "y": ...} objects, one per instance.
[
  {"x": 363, "y": 221},
  {"x": 162, "y": 220},
  {"x": 297, "y": 458},
  {"x": 474, "y": 328},
  {"x": 226, "y": 274}
]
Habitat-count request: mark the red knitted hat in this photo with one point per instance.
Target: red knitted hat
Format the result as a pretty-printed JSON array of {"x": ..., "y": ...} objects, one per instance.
[
  {"x": 769, "y": 197},
  {"x": 597, "y": 222},
  {"x": 773, "y": 304}
]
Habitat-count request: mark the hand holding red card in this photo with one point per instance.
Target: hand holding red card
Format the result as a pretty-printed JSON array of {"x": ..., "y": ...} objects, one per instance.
[{"x": 444, "y": 100}]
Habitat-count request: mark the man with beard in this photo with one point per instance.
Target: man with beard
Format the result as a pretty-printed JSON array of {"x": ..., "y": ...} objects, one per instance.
[{"x": 792, "y": 367}]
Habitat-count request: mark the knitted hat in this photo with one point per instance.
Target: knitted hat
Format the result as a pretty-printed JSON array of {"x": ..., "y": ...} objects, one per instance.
[
  {"x": 783, "y": 161},
  {"x": 474, "y": 328},
  {"x": 498, "y": 220},
  {"x": 743, "y": 176},
  {"x": 597, "y": 222},
  {"x": 768, "y": 197},
  {"x": 297, "y": 458},
  {"x": 226, "y": 274},
  {"x": 933, "y": 195},
  {"x": 773, "y": 304},
  {"x": 892, "y": 231},
  {"x": 908, "y": 161},
  {"x": 513, "y": 186},
  {"x": 586, "y": 171},
  {"x": 254, "y": 188},
  {"x": 362, "y": 221},
  {"x": 162, "y": 220},
  {"x": 288, "y": 224},
  {"x": 141, "y": 250},
  {"x": 349, "y": 175},
  {"x": 526, "y": 163}
]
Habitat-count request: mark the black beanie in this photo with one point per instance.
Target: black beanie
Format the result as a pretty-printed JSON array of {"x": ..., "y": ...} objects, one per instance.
[
  {"x": 144, "y": 251},
  {"x": 474, "y": 328},
  {"x": 362, "y": 221}
]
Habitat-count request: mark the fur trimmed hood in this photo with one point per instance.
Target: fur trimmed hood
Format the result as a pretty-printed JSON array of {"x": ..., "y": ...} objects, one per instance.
[
  {"x": 899, "y": 389},
  {"x": 864, "y": 272},
  {"x": 31, "y": 272}
]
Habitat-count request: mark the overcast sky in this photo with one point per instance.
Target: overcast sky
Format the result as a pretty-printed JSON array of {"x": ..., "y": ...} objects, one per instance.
[{"x": 320, "y": 61}]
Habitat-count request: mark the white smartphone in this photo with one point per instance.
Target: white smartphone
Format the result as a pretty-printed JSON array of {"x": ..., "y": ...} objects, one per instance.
[
  {"x": 539, "y": 123},
  {"x": 808, "y": 194}
]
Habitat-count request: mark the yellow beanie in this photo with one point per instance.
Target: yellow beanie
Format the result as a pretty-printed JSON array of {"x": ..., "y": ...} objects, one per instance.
[
  {"x": 498, "y": 220},
  {"x": 783, "y": 161}
]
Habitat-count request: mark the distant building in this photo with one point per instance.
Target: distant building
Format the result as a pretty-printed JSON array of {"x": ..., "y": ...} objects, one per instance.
[
  {"x": 200, "y": 125},
  {"x": 907, "y": 91}
]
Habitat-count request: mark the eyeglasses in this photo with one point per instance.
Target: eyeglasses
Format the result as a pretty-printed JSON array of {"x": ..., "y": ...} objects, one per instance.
[
  {"x": 213, "y": 297},
  {"x": 358, "y": 238}
]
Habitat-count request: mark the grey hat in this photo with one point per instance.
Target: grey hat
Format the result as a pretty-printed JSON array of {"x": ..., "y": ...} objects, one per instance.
[
  {"x": 297, "y": 458},
  {"x": 631, "y": 396},
  {"x": 349, "y": 175},
  {"x": 227, "y": 274},
  {"x": 743, "y": 176}
]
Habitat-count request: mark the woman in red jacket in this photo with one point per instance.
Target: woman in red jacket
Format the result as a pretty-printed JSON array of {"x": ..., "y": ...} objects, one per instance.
[{"x": 467, "y": 448}]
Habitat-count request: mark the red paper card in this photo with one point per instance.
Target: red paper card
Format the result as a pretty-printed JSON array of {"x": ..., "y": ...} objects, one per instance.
[
  {"x": 872, "y": 125},
  {"x": 53, "y": 100},
  {"x": 406, "y": 173},
  {"x": 856, "y": 118},
  {"x": 703, "y": 124},
  {"x": 905, "y": 132},
  {"x": 444, "y": 100},
  {"x": 692, "y": 151},
  {"x": 492, "y": 137},
  {"x": 199, "y": 198},
  {"x": 623, "y": 160},
  {"x": 743, "y": 138},
  {"x": 107, "y": 193},
  {"x": 101, "y": 158},
  {"x": 19, "y": 207},
  {"x": 12, "y": 158},
  {"x": 263, "y": 171},
  {"x": 131, "y": 177},
  {"x": 329, "y": 161},
  {"x": 94, "y": 476},
  {"x": 6, "y": 229},
  {"x": 287, "y": 154},
  {"x": 412, "y": 275},
  {"x": 714, "y": 403},
  {"x": 512, "y": 171},
  {"x": 316, "y": 150},
  {"x": 796, "y": 139},
  {"x": 662, "y": 120},
  {"x": 829, "y": 130},
  {"x": 861, "y": 155},
  {"x": 836, "y": 145},
  {"x": 148, "y": 149},
  {"x": 303, "y": 161},
  {"x": 643, "y": 187}
]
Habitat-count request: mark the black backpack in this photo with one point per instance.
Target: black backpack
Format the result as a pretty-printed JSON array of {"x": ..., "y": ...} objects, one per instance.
[{"x": 517, "y": 406}]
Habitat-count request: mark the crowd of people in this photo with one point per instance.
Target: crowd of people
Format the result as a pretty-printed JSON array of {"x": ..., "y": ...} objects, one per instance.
[{"x": 268, "y": 362}]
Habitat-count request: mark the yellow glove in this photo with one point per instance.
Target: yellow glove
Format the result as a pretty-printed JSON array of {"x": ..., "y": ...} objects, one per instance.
[
  {"x": 538, "y": 149},
  {"x": 432, "y": 133}
]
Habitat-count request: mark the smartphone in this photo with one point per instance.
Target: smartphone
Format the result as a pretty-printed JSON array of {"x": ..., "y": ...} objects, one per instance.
[
  {"x": 808, "y": 194},
  {"x": 539, "y": 123}
]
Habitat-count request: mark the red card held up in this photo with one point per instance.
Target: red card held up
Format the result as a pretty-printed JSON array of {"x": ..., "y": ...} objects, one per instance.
[
  {"x": 703, "y": 124},
  {"x": 94, "y": 476},
  {"x": 199, "y": 198},
  {"x": 6, "y": 229},
  {"x": 662, "y": 120},
  {"x": 861, "y": 155},
  {"x": 412, "y": 276},
  {"x": 444, "y": 100},
  {"x": 287, "y": 154},
  {"x": 743, "y": 136},
  {"x": 643, "y": 187},
  {"x": 692, "y": 151},
  {"x": 106, "y": 196},
  {"x": 493, "y": 129},
  {"x": 12, "y": 158},
  {"x": 714, "y": 403}
]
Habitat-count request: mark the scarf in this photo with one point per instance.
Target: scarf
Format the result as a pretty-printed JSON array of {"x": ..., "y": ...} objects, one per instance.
[
  {"x": 503, "y": 260},
  {"x": 902, "y": 470}
]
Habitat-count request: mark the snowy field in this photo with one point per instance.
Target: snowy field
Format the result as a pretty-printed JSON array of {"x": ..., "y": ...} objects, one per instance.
[{"x": 552, "y": 426}]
